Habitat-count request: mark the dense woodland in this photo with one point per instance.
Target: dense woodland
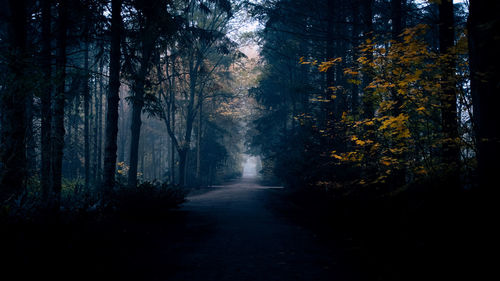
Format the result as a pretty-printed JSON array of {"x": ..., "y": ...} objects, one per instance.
[
  {"x": 106, "y": 100},
  {"x": 108, "y": 94},
  {"x": 373, "y": 96}
]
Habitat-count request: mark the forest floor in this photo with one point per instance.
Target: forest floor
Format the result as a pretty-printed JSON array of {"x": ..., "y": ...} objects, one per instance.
[{"x": 239, "y": 231}]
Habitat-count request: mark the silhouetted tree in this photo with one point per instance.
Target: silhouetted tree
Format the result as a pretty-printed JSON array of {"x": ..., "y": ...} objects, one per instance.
[
  {"x": 484, "y": 43},
  {"x": 14, "y": 93}
]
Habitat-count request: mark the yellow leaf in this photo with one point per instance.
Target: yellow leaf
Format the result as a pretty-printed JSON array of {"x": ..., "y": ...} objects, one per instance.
[
  {"x": 360, "y": 142},
  {"x": 336, "y": 156}
]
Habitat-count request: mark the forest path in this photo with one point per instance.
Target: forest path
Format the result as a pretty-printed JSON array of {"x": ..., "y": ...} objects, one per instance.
[{"x": 232, "y": 234}]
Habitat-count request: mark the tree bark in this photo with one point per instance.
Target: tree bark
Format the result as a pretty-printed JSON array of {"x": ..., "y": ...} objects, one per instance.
[
  {"x": 182, "y": 166},
  {"x": 100, "y": 126},
  {"x": 190, "y": 117},
  {"x": 135, "y": 129},
  {"x": 396, "y": 18},
  {"x": 12, "y": 105},
  {"x": 86, "y": 102},
  {"x": 198, "y": 146},
  {"x": 484, "y": 43},
  {"x": 113, "y": 100},
  {"x": 96, "y": 132},
  {"x": 45, "y": 100},
  {"x": 172, "y": 144},
  {"x": 451, "y": 152},
  {"x": 57, "y": 126}
]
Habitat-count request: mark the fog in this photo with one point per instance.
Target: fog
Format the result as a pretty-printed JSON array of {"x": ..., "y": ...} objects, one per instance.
[{"x": 250, "y": 167}]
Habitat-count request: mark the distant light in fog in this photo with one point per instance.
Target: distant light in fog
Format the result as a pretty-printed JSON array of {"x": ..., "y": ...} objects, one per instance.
[{"x": 250, "y": 168}]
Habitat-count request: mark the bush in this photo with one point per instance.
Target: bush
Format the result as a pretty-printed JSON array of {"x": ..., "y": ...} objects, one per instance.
[{"x": 148, "y": 199}]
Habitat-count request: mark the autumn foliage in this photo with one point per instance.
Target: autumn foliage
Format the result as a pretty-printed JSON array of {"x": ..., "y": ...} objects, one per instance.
[{"x": 395, "y": 135}]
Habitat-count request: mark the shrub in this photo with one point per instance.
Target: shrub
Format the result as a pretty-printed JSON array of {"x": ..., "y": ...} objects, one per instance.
[{"x": 149, "y": 198}]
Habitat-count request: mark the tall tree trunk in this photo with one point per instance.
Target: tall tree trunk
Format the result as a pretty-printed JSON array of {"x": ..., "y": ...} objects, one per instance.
[
  {"x": 122, "y": 118},
  {"x": 190, "y": 117},
  {"x": 113, "y": 99},
  {"x": 86, "y": 127},
  {"x": 99, "y": 126},
  {"x": 198, "y": 146},
  {"x": 12, "y": 105},
  {"x": 153, "y": 165},
  {"x": 451, "y": 152},
  {"x": 137, "y": 105},
  {"x": 96, "y": 132},
  {"x": 172, "y": 144},
  {"x": 484, "y": 43},
  {"x": 141, "y": 160},
  {"x": 182, "y": 166},
  {"x": 45, "y": 100},
  {"x": 135, "y": 129},
  {"x": 76, "y": 164},
  {"x": 396, "y": 18},
  {"x": 57, "y": 137}
]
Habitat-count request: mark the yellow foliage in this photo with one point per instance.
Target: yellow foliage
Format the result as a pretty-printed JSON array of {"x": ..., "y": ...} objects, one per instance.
[
  {"x": 405, "y": 94},
  {"x": 336, "y": 156},
  {"x": 324, "y": 66},
  {"x": 387, "y": 161},
  {"x": 360, "y": 142}
]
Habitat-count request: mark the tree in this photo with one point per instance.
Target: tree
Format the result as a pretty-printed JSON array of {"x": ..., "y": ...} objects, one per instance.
[
  {"x": 201, "y": 50},
  {"x": 484, "y": 43},
  {"x": 451, "y": 153},
  {"x": 152, "y": 19},
  {"x": 14, "y": 92},
  {"x": 58, "y": 102},
  {"x": 46, "y": 98},
  {"x": 113, "y": 98}
]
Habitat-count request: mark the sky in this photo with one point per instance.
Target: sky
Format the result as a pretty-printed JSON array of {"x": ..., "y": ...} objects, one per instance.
[{"x": 244, "y": 23}]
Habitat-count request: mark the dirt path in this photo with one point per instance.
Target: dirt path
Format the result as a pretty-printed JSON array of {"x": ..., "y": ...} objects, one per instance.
[{"x": 232, "y": 235}]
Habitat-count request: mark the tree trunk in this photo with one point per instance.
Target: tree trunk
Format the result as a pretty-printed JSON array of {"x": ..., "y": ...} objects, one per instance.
[
  {"x": 45, "y": 100},
  {"x": 99, "y": 126},
  {"x": 138, "y": 104},
  {"x": 172, "y": 147},
  {"x": 484, "y": 43},
  {"x": 451, "y": 152},
  {"x": 396, "y": 18},
  {"x": 57, "y": 137},
  {"x": 135, "y": 129},
  {"x": 96, "y": 133},
  {"x": 113, "y": 100},
  {"x": 86, "y": 98},
  {"x": 12, "y": 105},
  {"x": 182, "y": 166},
  {"x": 198, "y": 146},
  {"x": 190, "y": 116},
  {"x": 122, "y": 125}
]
